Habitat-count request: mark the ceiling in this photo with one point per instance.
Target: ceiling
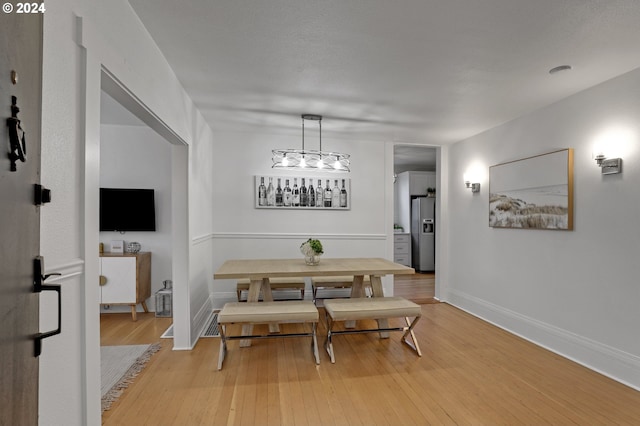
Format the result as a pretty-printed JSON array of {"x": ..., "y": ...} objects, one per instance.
[
  {"x": 414, "y": 71},
  {"x": 413, "y": 158}
]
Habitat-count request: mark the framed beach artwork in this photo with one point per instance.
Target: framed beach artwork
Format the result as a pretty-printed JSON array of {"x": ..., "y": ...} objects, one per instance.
[{"x": 533, "y": 193}]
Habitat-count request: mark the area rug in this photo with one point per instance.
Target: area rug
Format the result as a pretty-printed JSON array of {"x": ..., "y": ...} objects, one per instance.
[{"x": 119, "y": 366}]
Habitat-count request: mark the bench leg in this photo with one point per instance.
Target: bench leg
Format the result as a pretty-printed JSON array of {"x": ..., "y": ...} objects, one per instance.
[
  {"x": 314, "y": 344},
  {"x": 328, "y": 344},
  {"x": 267, "y": 296},
  {"x": 223, "y": 347},
  {"x": 223, "y": 341},
  {"x": 357, "y": 290},
  {"x": 410, "y": 332},
  {"x": 378, "y": 291},
  {"x": 252, "y": 296}
]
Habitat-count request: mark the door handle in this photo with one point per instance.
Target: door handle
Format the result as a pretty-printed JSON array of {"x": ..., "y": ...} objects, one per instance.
[
  {"x": 38, "y": 287},
  {"x": 17, "y": 139}
]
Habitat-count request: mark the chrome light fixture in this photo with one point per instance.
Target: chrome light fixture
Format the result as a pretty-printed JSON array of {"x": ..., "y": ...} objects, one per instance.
[
  {"x": 301, "y": 159},
  {"x": 475, "y": 187},
  {"x": 609, "y": 166}
]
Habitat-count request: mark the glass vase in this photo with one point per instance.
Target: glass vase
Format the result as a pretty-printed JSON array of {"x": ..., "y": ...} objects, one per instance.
[{"x": 312, "y": 260}]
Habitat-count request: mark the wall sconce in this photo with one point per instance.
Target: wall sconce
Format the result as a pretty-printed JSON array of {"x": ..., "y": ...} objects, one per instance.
[
  {"x": 471, "y": 179},
  {"x": 609, "y": 166},
  {"x": 475, "y": 187}
]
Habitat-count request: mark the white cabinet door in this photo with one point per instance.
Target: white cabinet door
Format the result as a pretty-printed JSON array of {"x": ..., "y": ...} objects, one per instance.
[
  {"x": 417, "y": 184},
  {"x": 420, "y": 181},
  {"x": 121, "y": 280}
]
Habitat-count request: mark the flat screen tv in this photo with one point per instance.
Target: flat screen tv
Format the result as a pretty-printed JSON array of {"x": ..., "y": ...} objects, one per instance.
[{"x": 123, "y": 209}]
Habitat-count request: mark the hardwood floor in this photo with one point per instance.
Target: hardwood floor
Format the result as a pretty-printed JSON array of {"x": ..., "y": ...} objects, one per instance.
[
  {"x": 119, "y": 329},
  {"x": 470, "y": 373},
  {"x": 419, "y": 288}
]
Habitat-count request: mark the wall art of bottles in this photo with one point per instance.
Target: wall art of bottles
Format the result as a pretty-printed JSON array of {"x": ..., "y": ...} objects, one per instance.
[{"x": 302, "y": 192}]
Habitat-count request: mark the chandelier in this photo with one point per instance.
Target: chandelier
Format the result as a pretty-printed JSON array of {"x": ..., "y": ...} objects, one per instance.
[{"x": 310, "y": 159}]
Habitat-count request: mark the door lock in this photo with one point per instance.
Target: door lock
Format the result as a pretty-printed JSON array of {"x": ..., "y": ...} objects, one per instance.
[{"x": 42, "y": 195}]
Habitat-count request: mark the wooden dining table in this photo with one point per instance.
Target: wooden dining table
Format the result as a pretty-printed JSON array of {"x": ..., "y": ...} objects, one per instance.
[{"x": 259, "y": 271}]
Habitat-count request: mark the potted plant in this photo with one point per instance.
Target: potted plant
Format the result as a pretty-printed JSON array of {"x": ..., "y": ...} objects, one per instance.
[{"x": 312, "y": 249}]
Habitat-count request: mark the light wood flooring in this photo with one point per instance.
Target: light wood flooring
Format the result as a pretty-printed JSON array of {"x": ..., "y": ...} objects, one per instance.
[
  {"x": 470, "y": 373},
  {"x": 419, "y": 288}
]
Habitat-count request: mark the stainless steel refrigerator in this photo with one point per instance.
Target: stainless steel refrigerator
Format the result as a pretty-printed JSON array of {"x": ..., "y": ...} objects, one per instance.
[{"x": 423, "y": 230}]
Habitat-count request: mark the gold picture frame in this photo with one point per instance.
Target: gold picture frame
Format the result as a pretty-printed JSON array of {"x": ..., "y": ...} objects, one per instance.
[{"x": 533, "y": 193}]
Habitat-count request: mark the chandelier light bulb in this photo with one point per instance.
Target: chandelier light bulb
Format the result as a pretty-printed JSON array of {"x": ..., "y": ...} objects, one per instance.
[{"x": 337, "y": 165}]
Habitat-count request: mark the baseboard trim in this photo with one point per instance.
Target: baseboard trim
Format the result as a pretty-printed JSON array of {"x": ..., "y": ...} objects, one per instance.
[
  {"x": 201, "y": 320},
  {"x": 606, "y": 360}
]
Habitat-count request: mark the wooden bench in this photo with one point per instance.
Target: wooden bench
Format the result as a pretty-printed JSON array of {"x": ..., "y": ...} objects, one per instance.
[
  {"x": 338, "y": 282},
  {"x": 288, "y": 311},
  {"x": 371, "y": 308},
  {"x": 285, "y": 283}
]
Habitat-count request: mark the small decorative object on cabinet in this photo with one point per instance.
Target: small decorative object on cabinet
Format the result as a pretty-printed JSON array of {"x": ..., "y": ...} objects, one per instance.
[
  {"x": 402, "y": 249},
  {"x": 133, "y": 247},
  {"x": 125, "y": 279},
  {"x": 117, "y": 246}
]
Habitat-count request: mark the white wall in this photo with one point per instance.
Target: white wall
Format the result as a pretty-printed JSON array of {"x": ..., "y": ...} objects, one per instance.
[
  {"x": 81, "y": 39},
  {"x": 137, "y": 157},
  {"x": 242, "y": 231},
  {"x": 575, "y": 292}
]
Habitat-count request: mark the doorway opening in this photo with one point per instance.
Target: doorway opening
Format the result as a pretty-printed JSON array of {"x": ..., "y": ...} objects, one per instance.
[
  {"x": 137, "y": 150},
  {"x": 415, "y": 197}
]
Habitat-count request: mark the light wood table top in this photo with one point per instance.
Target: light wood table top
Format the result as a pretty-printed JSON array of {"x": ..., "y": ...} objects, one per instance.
[{"x": 272, "y": 268}]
